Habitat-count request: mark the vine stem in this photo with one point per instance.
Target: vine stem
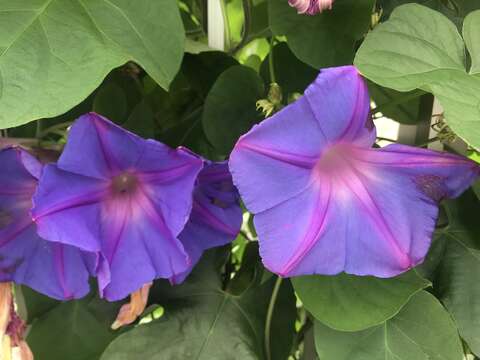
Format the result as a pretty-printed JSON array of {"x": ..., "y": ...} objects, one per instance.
[
  {"x": 43, "y": 132},
  {"x": 247, "y": 16},
  {"x": 270, "y": 62},
  {"x": 268, "y": 322},
  {"x": 226, "y": 24}
]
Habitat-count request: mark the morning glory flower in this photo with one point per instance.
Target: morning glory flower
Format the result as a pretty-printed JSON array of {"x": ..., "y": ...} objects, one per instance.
[
  {"x": 215, "y": 220},
  {"x": 325, "y": 201},
  {"x": 53, "y": 269},
  {"x": 123, "y": 197},
  {"x": 216, "y": 215},
  {"x": 311, "y": 7}
]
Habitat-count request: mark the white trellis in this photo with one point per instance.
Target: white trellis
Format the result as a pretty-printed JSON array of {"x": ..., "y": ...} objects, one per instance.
[{"x": 216, "y": 25}]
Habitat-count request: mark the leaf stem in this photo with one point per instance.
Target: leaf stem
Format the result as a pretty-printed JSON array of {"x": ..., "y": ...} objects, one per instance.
[
  {"x": 429, "y": 141},
  {"x": 268, "y": 322},
  {"x": 38, "y": 129}
]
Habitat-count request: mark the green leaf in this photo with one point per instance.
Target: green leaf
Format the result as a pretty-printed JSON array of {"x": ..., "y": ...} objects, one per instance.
[
  {"x": 405, "y": 54},
  {"x": 351, "y": 303},
  {"x": 396, "y": 105},
  {"x": 423, "y": 330},
  {"x": 457, "y": 277},
  {"x": 111, "y": 102},
  {"x": 291, "y": 74},
  {"x": 34, "y": 304},
  {"x": 259, "y": 14},
  {"x": 471, "y": 34},
  {"x": 74, "y": 330},
  {"x": 460, "y": 98},
  {"x": 203, "y": 322},
  {"x": 230, "y": 109},
  {"x": 141, "y": 121},
  {"x": 196, "y": 47},
  {"x": 476, "y": 188},
  {"x": 455, "y": 10},
  {"x": 203, "y": 70},
  {"x": 326, "y": 39},
  {"x": 53, "y": 53}
]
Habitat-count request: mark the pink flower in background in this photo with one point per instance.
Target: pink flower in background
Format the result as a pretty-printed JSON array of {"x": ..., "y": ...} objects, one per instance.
[{"x": 311, "y": 7}]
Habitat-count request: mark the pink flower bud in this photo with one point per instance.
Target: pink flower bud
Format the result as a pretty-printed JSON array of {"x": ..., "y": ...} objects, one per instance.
[{"x": 311, "y": 7}]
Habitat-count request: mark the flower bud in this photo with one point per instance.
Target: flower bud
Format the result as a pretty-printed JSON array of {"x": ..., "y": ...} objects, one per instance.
[
  {"x": 275, "y": 94},
  {"x": 311, "y": 7}
]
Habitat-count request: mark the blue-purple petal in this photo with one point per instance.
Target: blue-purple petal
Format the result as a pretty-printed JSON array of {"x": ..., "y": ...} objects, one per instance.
[
  {"x": 348, "y": 207},
  {"x": 216, "y": 215},
  {"x": 56, "y": 270},
  {"x": 126, "y": 198}
]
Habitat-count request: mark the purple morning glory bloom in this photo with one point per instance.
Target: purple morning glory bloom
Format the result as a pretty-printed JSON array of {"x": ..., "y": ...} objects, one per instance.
[
  {"x": 53, "y": 269},
  {"x": 325, "y": 201},
  {"x": 216, "y": 215},
  {"x": 123, "y": 197}
]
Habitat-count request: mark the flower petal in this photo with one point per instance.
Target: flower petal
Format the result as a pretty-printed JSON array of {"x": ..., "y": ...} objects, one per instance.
[
  {"x": 67, "y": 208},
  {"x": 129, "y": 206},
  {"x": 137, "y": 246},
  {"x": 169, "y": 175},
  {"x": 98, "y": 148},
  {"x": 437, "y": 174},
  {"x": 281, "y": 150},
  {"x": 56, "y": 270},
  {"x": 373, "y": 216},
  {"x": 216, "y": 215},
  {"x": 340, "y": 102}
]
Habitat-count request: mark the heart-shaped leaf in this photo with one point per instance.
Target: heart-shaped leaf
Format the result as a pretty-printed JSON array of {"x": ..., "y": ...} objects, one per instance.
[
  {"x": 53, "y": 53},
  {"x": 420, "y": 48},
  {"x": 351, "y": 303},
  {"x": 422, "y": 330}
]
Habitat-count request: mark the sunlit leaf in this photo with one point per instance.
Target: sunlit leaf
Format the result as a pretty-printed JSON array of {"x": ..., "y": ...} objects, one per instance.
[
  {"x": 53, "y": 53},
  {"x": 405, "y": 54},
  {"x": 471, "y": 34}
]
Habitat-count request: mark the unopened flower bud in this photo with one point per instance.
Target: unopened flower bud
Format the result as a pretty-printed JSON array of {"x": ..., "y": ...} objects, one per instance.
[
  {"x": 275, "y": 94},
  {"x": 311, "y": 7},
  {"x": 273, "y": 102}
]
